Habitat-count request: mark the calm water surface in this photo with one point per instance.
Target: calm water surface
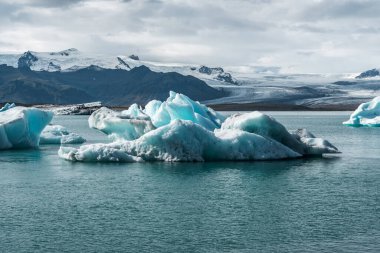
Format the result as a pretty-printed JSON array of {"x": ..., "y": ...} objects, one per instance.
[{"x": 307, "y": 205}]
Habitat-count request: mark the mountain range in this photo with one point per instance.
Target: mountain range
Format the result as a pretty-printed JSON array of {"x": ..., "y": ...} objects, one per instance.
[
  {"x": 73, "y": 59},
  {"x": 71, "y": 76},
  {"x": 369, "y": 74},
  {"x": 64, "y": 78},
  {"x": 110, "y": 86}
]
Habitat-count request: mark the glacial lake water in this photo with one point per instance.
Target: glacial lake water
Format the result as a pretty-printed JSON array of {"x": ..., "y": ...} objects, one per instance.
[{"x": 328, "y": 204}]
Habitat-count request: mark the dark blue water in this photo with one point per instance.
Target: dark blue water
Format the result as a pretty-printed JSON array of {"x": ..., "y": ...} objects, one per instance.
[{"x": 307, "y": 205}]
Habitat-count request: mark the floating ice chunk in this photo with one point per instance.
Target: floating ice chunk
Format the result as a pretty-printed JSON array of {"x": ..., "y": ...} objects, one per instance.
[
  {"x": 7, "y": 106},
  {"x": 179, "y": 106},
  {"x": 180, "y": 129},
  {"x": 302, "y": 141},
  {"x": 367, "y": 114},
  {"x": 313, "y": 145},
  {"x": 183, "y": 141},
  {"x": 262, "y": 124},
  {"x": 132, "y": 123},
  {"x": 97, "y": 153},
  {"x": 127, "y": 125},
  {"x": 134, "y": 112},
  {"x": 56, "y": 134},
  {"x": 20, "y": 127},
  {"x": 152, "y": 107}
]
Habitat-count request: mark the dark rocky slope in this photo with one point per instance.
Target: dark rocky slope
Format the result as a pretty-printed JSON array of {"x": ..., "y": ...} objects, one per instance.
[{"x": 114, "y": 87}]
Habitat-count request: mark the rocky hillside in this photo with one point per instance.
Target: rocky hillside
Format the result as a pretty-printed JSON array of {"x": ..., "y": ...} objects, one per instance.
[{"x": 115, "y": 87}]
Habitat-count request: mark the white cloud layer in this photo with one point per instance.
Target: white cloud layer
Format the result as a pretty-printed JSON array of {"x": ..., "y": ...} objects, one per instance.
[{"x": 305, "y": 36}]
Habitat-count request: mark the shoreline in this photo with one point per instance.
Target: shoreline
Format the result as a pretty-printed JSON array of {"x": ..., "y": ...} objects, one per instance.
[
  {"x": 235, "y": 107},
  {"x": 281, "y": 107},
  {"x": 269, "y": 107}
]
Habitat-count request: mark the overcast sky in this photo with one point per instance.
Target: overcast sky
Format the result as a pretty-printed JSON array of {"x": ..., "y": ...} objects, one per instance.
[{"x": 299, "y": 36}]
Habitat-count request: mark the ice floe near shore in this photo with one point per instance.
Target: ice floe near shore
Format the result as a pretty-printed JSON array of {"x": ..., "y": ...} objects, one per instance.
[
  {"x": 57, "y": 134},
  {"x": 20, "y": 127},
  {"x": 182, "y": 130},
  {"x": 76, "y": 109},
  {"x": 367, "y": 114}
]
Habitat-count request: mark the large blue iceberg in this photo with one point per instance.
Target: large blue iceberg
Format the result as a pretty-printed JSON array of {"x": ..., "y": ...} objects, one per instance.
[
  {"x": 20, "y": 127},
  {"x": 367, "y": 114},
  {"x": 182, "y": 130},
  {"x": 135, "y": 122},
  {"x": 179, "y": 106}
]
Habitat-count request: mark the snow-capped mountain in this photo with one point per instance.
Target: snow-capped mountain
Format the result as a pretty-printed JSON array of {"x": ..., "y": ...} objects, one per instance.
[
  {"x": 72, "y": 59},
  {"x": 238, "y": 84},
  {"x": 369, "y": 74},
  {"x": 110, "y": 86}
]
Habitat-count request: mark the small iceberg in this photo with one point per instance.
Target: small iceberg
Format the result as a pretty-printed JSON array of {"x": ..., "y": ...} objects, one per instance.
[
  {"x": 301, "y": 141},
  {"x": 182, "y": 130},
  {"x": 57, "y": 134},
  {"x": 20, "y": 127},
  {"x": 7, "y": 106},
  {"x": 121, "y": 125},
  {"x": 367, "y": 114}
]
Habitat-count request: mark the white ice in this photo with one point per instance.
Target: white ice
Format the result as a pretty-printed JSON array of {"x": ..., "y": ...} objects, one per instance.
[
  {"x": 127, "y": 125},
  {"x": 77, "y": 109},
  {"x": 182, "y": 130},
  {"x": 302, "y": 141},
  {"x": 179, "y": 106},
  {"x": 367, "y": 114},
  {"x": 57, "y": 134},
  {"x": 132, "y": 123},
  {"x": 7, "y": 106},
  {"x": 183, "y": 141},
  {"x": 20, "y": 127}
]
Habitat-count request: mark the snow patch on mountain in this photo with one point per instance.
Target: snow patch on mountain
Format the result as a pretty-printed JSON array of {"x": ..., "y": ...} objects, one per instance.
[
  {"x": 67, "y": 52},
  {"x": 217, "y": 74},
  {"x": 369, "y": 74},
  {"x": 73, "y": 60},
  {"x": 134, "y": 57},
  {"x": 26, "y": 60}
]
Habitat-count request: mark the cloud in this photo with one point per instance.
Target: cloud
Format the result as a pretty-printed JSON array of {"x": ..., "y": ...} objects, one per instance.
[
  {"x": 307, "y": 36},
  {"x": 44, "y": 3},
  {"x": 358, "y": 9}
]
